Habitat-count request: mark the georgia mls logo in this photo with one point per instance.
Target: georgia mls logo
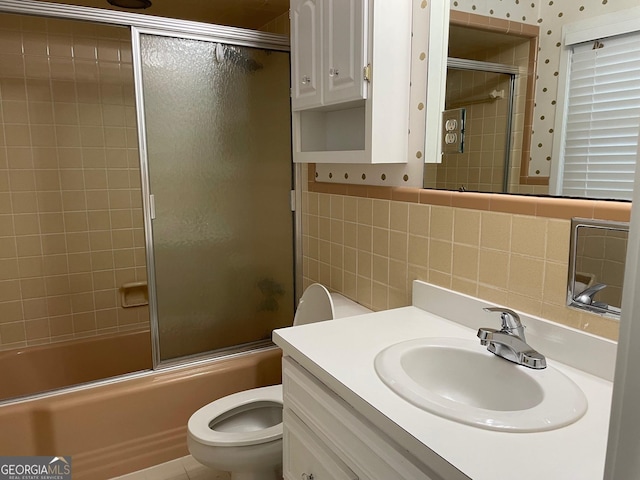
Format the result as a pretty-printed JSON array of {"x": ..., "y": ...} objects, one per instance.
[
  {"x": 60, "y": 464},
  {"x": 35, "y": 468}
]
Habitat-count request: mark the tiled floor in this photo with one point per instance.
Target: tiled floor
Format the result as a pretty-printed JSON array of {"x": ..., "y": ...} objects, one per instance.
[{"x": 185, "y": 468}]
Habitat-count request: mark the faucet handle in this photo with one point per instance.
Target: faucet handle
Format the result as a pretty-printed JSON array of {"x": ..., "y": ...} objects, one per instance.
[
  {"x": 586, "y": 296},
  {"x": 510, "y": 321},
  {"x": 533, "y": 359}
]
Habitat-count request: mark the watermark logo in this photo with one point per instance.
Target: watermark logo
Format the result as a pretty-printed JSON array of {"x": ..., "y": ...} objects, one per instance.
[{"x": 35, "y": 468}]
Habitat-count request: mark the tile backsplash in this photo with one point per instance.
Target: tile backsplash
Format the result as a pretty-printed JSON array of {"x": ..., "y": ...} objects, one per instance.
[
  {"x": 71, "y": 230},
  {"x": 371, "y": 249}
]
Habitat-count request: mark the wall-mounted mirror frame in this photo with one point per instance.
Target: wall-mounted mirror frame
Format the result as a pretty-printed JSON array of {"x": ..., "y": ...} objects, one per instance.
[{"x": 596, "y": 265}]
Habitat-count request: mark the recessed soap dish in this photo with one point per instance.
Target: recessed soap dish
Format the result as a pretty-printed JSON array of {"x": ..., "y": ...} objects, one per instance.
[{"x": 134, "y": 294}]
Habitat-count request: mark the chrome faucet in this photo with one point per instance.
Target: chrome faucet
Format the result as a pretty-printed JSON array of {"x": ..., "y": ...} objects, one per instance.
[
  {"x": 586, "y": 296},
  {"x": 509, "y": 342}
]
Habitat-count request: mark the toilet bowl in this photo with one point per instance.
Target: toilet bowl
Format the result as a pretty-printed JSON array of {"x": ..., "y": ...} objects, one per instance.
[{"x": 242, "y": 433}]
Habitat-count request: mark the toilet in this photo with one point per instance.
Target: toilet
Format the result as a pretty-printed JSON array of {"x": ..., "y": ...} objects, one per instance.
[{"x": 242, "y": 433}]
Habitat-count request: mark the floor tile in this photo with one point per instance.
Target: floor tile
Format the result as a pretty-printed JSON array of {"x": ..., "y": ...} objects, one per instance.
[{"x": 185, "y": 468}]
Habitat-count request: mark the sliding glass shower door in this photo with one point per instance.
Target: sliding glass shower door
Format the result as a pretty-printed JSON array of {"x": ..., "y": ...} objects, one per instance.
[{"x": 217, "y": 128}]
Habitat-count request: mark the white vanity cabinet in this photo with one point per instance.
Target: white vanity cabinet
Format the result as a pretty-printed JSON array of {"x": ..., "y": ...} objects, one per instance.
[
  {"x": 350, "y": 80},
  {"x": 307, "y": 457},
  {"x": 326, "y": 439}
]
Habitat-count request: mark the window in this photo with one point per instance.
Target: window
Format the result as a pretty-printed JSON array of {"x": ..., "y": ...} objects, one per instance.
[{"x": 600, "y": 125}]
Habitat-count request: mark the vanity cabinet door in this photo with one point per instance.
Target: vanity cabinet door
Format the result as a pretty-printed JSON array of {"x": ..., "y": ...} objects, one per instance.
[
  {"x": 306, "y": 49},
  {"x": 344, "y": 50},
  {"x": 341, "y": 430},
  {"x": 306, "y": 457}
]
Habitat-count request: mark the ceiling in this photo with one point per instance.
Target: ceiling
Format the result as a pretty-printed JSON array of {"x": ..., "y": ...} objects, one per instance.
[{"x": 251, "y": 14}]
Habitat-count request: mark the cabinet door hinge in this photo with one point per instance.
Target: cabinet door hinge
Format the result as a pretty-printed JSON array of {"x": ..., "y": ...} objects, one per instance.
[
  {"x": 366, "y": 71},
  {"x": 293, "y": 200}
]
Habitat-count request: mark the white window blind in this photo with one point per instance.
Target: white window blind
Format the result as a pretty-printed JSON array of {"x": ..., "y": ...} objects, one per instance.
[{"x": 603, "y": 118}]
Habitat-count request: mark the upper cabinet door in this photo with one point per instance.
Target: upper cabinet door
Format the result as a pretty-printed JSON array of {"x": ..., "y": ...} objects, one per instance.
[
  {"x": 306, "y": 41},
  {"x": 344, "y": 49}
]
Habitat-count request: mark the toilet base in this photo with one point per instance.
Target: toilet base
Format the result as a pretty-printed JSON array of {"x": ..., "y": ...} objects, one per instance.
[{"x": 262, "y": 461}]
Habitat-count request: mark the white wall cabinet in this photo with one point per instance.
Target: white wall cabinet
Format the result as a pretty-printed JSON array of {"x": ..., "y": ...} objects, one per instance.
[
  {"x": 306, "y": 41},
  {"x": 350, "y": 80},
  {"x": 325, "y": 437},
  {"x": 344, "y": 50},
  {"x": 328, "y": 52}
]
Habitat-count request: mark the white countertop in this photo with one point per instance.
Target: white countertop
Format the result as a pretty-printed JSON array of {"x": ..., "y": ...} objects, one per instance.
[{"x": 341, "y": 354}]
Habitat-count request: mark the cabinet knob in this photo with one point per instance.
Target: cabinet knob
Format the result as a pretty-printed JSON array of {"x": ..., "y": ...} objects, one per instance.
[
  {"x": 307, "y": 476},
  {"x": 333, "y": 72},
  {"x": 306, "y": 80}
]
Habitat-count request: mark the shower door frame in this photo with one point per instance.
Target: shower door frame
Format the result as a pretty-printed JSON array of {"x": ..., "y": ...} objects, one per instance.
[
  {"x": 147, "y": 196},
  {"x": 154, "y": 25},
  {"x": 513, "y": 71}
]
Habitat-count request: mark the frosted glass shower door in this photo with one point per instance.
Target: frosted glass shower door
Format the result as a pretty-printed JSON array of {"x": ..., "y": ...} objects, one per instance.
[{"x": 219, "y": 165}]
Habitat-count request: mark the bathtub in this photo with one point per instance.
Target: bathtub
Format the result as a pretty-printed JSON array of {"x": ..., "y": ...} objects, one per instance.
[
  {"x": 46, "y": 367},
  {"x": 133, "y": 423}
]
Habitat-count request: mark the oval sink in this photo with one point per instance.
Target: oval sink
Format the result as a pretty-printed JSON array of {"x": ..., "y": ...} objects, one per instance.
[{"x": 460, "y": 380}]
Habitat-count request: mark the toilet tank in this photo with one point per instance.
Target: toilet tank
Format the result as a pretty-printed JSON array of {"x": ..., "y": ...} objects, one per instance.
[
  {"x": 343, "y": 307},
  {"x": 317, "y": 304}
]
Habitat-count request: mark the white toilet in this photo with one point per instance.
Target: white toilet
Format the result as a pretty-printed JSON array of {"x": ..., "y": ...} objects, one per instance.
[{"x": 242, "y": 433}]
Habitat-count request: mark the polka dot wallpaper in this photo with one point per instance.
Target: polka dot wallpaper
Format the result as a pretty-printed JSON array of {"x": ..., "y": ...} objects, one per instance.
[{"x": 550, "y": 16}]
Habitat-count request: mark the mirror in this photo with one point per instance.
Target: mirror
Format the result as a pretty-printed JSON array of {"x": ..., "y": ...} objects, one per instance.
[
  {"x": 596, "y": 265},
  {"x": 529, "y": 36}
]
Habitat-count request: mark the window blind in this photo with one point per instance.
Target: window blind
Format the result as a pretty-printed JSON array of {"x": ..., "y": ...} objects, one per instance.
[{"x": 603, "y": 118}]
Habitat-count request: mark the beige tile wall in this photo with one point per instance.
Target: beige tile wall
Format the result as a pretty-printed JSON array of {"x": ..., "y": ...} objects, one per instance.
[
  {"x": 371, "y": 249},
  {"x": 70, "y": 204}
]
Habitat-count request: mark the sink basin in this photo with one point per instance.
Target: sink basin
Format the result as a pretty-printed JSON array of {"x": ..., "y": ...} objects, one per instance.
[{"x": 460, "y": 380}]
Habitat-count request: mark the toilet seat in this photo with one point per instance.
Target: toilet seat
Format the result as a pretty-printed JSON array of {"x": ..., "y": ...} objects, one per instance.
[{"x": 199, "y": 430}]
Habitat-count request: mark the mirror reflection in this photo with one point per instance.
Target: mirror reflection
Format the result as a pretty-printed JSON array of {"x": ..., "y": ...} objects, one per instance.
[
  {"x": 488, "y": 75},
  {"x": 547, "y": 97},
  {"x": 483, "y": 162},
  {"x": 596, "y": 269}
]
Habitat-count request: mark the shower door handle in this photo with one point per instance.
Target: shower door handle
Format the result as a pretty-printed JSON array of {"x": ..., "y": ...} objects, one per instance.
[{"x": 152, "y": 206}]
